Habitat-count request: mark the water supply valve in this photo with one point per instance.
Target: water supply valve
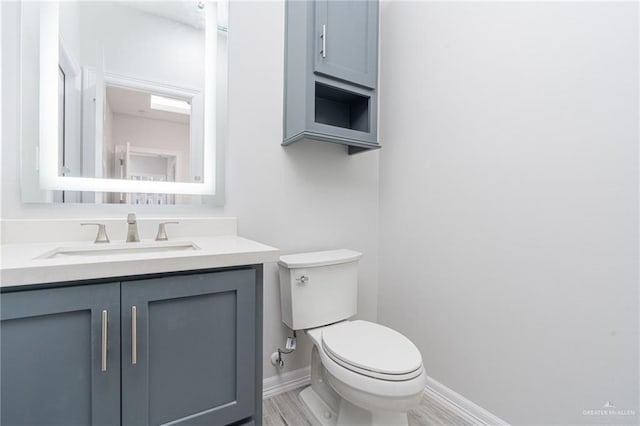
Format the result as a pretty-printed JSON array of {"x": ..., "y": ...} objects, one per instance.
[
  {"x": 289, "y": 347},
  {"x": 291, "y": 344}
]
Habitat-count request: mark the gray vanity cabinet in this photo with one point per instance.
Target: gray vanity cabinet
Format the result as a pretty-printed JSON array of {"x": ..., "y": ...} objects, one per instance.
[
  {"x": 331, "y": 73},
  {"x": 58, "y": 363},
  {"x": 192, "y": 360},
  {"x": 178, "y": 348}
]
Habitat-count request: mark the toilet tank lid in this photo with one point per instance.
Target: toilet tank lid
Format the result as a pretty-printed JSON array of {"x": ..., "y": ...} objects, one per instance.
[{"x": 319, "y": 258}]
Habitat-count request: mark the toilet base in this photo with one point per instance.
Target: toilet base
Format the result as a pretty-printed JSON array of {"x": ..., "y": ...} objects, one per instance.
[
  {"x": 351, "y": 414},
  {"x": 348, "y": 415},
  {"x": 330, "y": 409},
  {"x": 323, "y": 415}
]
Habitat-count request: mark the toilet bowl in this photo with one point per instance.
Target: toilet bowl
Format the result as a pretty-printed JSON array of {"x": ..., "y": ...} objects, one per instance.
[{"x": 362, "y": 373}]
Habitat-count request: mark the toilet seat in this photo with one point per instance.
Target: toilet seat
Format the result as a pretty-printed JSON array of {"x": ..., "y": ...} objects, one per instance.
[
  {"x": 372, "y": 350},
  {"x": 382, "y": 387}
]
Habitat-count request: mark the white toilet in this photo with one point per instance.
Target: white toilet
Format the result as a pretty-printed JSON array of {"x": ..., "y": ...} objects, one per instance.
[{"x": 362, "y": 373}]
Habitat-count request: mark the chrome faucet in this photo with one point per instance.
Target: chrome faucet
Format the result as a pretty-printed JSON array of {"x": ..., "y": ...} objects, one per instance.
[{"x": 132, "y": 229}]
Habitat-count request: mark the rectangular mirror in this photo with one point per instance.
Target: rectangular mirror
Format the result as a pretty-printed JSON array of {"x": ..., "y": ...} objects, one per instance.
[{"x": 123, "y": 101}]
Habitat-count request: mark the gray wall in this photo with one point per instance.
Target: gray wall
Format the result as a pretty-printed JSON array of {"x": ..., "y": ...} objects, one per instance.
[
  {"x": 300, "y": 198},
  {"x": 509, "y": 201}
]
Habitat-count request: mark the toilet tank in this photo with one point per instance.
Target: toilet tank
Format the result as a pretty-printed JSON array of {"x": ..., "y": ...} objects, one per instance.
[{"x": 318, "y": 288}]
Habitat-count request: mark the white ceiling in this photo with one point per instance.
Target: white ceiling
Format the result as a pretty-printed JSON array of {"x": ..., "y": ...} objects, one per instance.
[
  {"x": 186, "y": 12},
  {"x": 132, "y": 102}
]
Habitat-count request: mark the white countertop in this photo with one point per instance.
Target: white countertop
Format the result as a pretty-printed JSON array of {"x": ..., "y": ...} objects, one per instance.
[{"x": 21, "y": 264}]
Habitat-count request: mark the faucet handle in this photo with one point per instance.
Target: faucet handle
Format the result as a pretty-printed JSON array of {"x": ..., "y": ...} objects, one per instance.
[
  {"x": 101, "y": 237},
  {"x": 162, "y": 233},
  {"x": 131, "y": 218}
]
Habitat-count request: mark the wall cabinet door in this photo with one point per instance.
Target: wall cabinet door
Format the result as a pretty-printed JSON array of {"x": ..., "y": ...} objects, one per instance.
[
  {"x": 188, "y": 349},
  {"x": 346, "y": 34},
  {"x": 51, "y": 356}
]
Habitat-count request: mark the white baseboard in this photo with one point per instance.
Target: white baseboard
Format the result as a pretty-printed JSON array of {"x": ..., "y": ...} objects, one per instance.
[
  {"x": 460, "y": 405},
  {"x": 435, "y": 390},
  {"x": 285, "y": 382}
]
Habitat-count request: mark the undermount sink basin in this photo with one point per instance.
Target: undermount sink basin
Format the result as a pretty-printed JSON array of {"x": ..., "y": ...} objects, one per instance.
[{"x": 110, "y": 249}]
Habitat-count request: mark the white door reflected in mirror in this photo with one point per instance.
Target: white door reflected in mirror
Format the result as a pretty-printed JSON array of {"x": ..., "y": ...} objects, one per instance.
[{"x": 127, "y": 100}]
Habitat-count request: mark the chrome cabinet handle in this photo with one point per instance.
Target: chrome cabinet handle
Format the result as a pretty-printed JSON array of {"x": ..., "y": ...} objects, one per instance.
[
  {"x": 323, "y": 37},
  {"x": 134, "y": 335},
  {"x": 104, "y": 341}
]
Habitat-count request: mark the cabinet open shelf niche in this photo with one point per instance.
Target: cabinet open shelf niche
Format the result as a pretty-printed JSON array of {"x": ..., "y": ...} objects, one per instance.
[{"x": 341, "y": 108}]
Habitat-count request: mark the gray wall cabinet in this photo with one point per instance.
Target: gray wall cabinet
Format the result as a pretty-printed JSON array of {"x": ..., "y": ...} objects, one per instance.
[
  {"x": 181, "y": 349},
  {"x": 331, "y": 73}
]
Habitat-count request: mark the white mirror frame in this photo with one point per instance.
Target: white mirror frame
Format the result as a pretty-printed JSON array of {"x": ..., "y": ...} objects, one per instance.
[{"x": 48, "y": 126}]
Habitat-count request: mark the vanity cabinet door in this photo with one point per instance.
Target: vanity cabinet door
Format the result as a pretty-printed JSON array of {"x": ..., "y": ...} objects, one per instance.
[
  {"x": 189, "y": 349},
  {"x": 52, "y": 344}
]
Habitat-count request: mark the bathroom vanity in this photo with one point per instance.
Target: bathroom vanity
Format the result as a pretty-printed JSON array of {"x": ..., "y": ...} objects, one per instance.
[{"x": 132, "y": 338}]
